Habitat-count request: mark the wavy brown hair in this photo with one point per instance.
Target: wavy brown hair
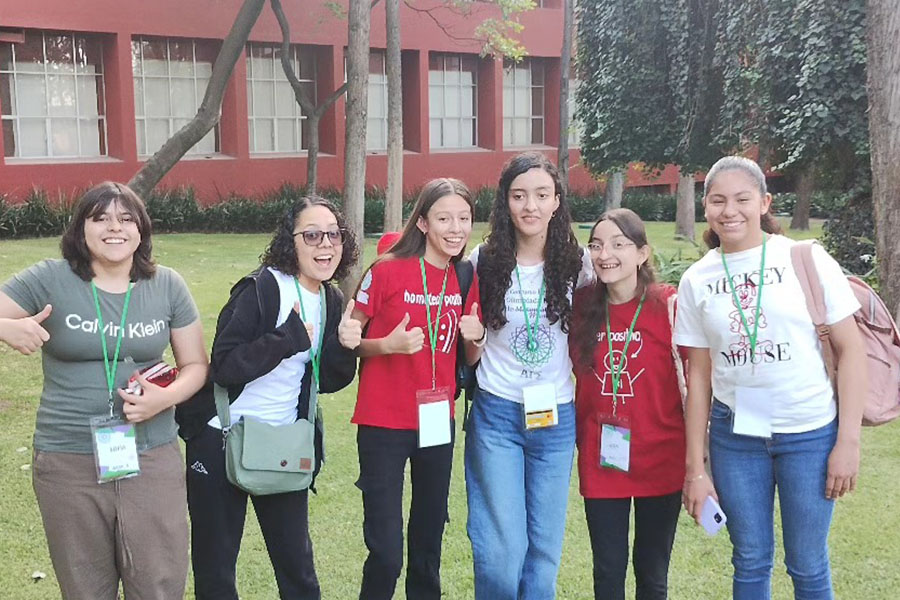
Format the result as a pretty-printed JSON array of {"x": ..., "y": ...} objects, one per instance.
[
  {"x": 281, "y": 252},
  {"x": 767, "y": 222},
  {"x": 497, "y": 257},
  {"x": 591, "y": 305},
  {"x": 95, "y": 202}
]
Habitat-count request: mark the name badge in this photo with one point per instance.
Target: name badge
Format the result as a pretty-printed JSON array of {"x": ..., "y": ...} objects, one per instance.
[
  {"x": 434, "y": 416},
  {"x": 540, "y": 406},
  {"x": 115, "y": 449},
  {"x": 753, "y": 410},
  {"x": 615, "y": 442}
]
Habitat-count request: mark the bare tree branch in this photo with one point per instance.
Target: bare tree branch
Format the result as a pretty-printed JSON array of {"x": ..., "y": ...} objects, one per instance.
[{"x": 208, "y": 114}]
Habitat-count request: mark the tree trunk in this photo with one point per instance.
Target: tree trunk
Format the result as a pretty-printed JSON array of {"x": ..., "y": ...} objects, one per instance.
[
  {"x": 615, "y": 188},
  {"x": 565, "y": 62},
  {"x": 355, "y": 132},
  {"x": 883, "y": 18},
  {"x": 806, "y": 182},
  {"x": 393, "y": 202},
  {"x": 312, "y": 154},
  {"x": 684, "y": 210},
  {"x": 208, "y": 114}
]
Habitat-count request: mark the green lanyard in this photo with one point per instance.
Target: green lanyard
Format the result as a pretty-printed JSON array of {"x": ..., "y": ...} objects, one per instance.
[
  {"x": 315, "y": 354},
  {"x": 762, "y": 267},
  {"x": 111, "y": 369},
  {"x": 432, "y": 331},
  {"x": 531, "y": 328},
  {"x": 616, "y": 367}
]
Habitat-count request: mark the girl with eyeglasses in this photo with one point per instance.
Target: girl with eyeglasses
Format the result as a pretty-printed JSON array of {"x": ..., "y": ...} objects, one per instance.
[
  {"x": 628, "y": 404},
  {"x": 282, "y": 332},
  {"x": 412, "y": 307}
]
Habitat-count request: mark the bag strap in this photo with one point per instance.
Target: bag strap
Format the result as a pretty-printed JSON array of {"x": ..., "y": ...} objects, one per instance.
[
  {"x": 676, "y": 356},
  {"x": 465, "y": 274},
  {"x": 805, "y": 269},
  {"x": 222, "y": 406}
]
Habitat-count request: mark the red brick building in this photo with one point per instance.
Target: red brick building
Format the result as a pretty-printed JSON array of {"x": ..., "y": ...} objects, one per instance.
[{"x": 91, "y": 88}]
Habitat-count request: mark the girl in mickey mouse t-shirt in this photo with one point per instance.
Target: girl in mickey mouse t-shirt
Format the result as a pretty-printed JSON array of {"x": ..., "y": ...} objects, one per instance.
[
  {"x": 410, "y": 303},
  {"x": 756, "y": 376}
]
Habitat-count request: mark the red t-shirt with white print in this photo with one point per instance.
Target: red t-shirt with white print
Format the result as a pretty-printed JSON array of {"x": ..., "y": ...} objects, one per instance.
[
  {"x": 648, "y": 397},
  {"x": 388, "y": 383}
]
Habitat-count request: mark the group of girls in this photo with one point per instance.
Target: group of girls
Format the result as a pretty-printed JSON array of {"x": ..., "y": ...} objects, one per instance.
[{"x": 539, "y": 307}]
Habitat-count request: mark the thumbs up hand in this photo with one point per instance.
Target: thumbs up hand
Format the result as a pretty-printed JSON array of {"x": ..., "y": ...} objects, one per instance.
[
  {"x": 404, "y": 341},
  {"x": 27, "y": 334},
  {"x": 349, "y": 329},
  {"x": 470, "y": 326}
]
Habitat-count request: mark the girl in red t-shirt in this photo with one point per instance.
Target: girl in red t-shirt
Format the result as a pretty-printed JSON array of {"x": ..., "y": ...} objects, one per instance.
[
  {"x": 411, "y": 306},
  {"x": 628, "y": 404}
]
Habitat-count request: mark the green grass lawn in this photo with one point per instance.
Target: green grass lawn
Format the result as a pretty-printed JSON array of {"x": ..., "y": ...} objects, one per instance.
[{"x": 865, "y": 543}]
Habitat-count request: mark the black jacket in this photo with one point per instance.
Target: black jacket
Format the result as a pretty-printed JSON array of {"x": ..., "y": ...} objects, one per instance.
[{"x": 247, "y": 345}]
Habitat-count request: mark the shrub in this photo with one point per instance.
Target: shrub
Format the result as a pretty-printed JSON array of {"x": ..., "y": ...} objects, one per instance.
[
  {"x": 36, "y": 217},
  {"x": 823, "y": 204},
  {"x": 848, "y": 236}
]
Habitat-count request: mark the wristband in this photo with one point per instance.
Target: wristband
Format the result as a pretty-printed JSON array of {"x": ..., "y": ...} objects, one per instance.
[
  {"x": 482, "y": 340},
  {"x": 693, "y": 479}
]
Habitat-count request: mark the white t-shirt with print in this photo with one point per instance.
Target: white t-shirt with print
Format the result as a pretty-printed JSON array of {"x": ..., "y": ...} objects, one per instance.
[
  {"x": 507, "y": 365},
  {"x": 272, "y": 398},
  {"x": 788, "y": 359}
]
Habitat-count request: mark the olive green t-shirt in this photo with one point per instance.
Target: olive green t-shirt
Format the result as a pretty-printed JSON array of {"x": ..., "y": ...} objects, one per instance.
[{"x": 75, "y": 388}]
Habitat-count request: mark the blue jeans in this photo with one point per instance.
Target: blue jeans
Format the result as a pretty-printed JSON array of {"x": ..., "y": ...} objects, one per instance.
[
  {"x": 746, "y": 471},
  {"x": 517, "y": 483}
]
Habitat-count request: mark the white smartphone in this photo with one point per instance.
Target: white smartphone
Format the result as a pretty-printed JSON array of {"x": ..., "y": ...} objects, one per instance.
[{"x": 712, "y": 518}]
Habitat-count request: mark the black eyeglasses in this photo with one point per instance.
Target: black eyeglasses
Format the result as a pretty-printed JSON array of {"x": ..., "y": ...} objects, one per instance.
[{"x": 313, "y": 237}]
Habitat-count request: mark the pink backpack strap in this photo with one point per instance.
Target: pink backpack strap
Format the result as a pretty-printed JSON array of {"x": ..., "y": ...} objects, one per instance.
[
  {"x": 676, "y": 356},
  {"x": 805, "y": 268}
]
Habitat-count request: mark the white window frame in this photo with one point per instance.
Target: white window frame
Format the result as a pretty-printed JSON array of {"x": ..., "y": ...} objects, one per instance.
[
  {"x": 275, "y": 79},
  {"x": 512, "y": 83},
  {"x": 377, "y": 88},
  {"x": 199, "y": 87},
  {"x": 49, "y": 71},
  {"x": 438, "y": 90}
]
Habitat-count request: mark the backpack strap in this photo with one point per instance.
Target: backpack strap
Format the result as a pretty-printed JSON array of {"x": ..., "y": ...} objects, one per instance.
[
  {"x": 465, "y": 273},
  {"x": 676, "y": 355},
  {"x": 805, "y": 269}
]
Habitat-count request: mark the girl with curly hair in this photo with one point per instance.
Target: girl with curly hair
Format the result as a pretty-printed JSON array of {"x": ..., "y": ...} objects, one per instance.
[
  {"x": 404, "y": 408},
  {"x": 628, "y": 405},
  {"x": 281, "y": 339},
  {"x": 521, "y": 432}
]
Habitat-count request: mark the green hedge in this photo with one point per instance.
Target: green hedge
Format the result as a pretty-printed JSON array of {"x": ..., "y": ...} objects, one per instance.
[{"x": 178, "y": 210}]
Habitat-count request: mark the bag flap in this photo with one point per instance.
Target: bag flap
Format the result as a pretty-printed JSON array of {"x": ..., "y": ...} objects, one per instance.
[{"x": 282, "y": 448}]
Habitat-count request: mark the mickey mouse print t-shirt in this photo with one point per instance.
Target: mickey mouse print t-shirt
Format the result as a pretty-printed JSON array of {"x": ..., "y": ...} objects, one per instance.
[
  {"x": 786, "y": 360},
  {"x": 388, "y": 383}
]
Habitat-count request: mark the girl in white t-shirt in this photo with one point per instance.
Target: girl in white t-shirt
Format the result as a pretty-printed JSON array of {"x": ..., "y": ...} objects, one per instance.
[
  {"x": 517, "y": 477},
  {"x": 753, "y": 352}
]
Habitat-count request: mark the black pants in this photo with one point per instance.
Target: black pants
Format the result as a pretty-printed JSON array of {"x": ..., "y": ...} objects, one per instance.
[
  {"x": 382, "y": 459},
  {"x": 655, "y": 519},
  {"x": 218, "y": 510}
]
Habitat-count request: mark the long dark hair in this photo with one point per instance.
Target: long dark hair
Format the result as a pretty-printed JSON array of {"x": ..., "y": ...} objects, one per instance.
[
  {"x": 592, "y": 301},
  {"x": 94, "y": 202},
  {"x": 497, "y": 257},
  {"x": 412, "y": 239},
  {"x": 767, "y": 222},
  {"x": 281, "y": 253}
]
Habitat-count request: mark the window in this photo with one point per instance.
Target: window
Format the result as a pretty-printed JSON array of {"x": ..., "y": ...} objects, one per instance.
[
  {"x": 523, "y": 103},
  {"x": 276, "y": 122},
  {"x": 574, "y": 124},
  {"x": 52, "y": 96},
  {"x": 376, "y": 127},
  {"x": 170, "y": 78},
  {"x": 452, "y": 95}
]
